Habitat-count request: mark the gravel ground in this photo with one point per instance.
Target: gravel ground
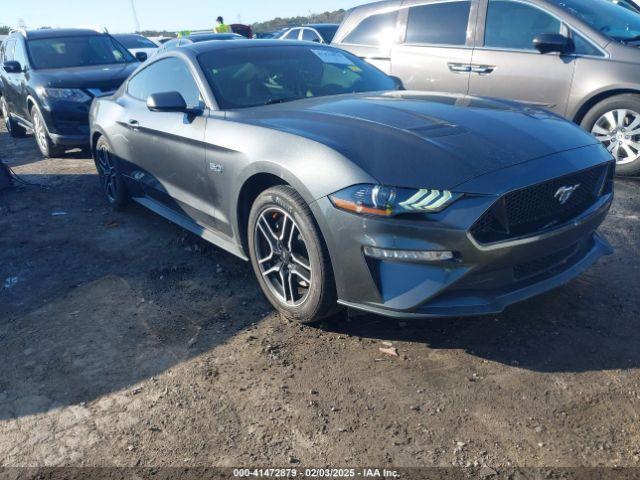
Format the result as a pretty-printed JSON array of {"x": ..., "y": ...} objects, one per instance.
[{"x": 126, "y": 341}]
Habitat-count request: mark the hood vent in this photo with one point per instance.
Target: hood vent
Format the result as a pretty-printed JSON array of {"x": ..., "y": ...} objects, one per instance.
[{"x": 438, "y": 130}]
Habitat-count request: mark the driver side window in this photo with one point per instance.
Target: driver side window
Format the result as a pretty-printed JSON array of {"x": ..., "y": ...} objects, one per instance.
[
  {"x": 513, "y": 25},
  {"x": 168, "y": 75},
  {"x": 309, "y": 35},
  {"x": 19, "y": 54},
  {"x": 8, "y": 50}
]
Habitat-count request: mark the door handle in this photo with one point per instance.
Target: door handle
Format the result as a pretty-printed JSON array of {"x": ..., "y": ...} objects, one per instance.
[
  {"x": 133, "y": 124},
  {"x": 482, "y": 69},
  {"x": 459, "y": 67}
]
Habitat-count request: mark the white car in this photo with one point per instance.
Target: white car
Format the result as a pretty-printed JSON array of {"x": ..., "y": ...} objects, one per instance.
[
  {"x": 160, "y": 40},
  {"x": 137, "y": 43},
  {"x": 317, "y": 32}
]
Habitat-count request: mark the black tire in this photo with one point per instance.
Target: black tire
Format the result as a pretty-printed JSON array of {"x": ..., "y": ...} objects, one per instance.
[
  {"x": 112, "y": 183},
  {"x": 630, "y": 102},
  {"x": 318, "y": 299},
  {"x": 14, "y": 129},
  {"x": 48, "y": 149}
]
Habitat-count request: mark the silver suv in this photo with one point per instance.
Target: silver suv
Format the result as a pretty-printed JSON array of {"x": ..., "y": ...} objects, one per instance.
[{"x": 578, "y": 58}]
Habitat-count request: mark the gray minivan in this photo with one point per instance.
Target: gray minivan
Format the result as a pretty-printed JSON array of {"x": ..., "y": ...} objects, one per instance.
[{"x": 578, "y": 58}]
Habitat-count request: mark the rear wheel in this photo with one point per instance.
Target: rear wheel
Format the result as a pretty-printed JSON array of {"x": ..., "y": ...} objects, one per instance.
[
  {"x": 13, "y": 128},
  {"x": 615, "y": 121},
  {"x": 111, "y": 181},
  {"x": 289, "y": 256},
  {"x": 47, "y": 148}
]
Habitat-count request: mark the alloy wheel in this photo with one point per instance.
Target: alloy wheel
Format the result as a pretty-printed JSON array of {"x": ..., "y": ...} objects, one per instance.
[
  {"x": 107, "y": 173},
  {"x": 282, "y": 256},
  {"x": 5, "y": 115},
  {"x": 619, "y": 131},
  {"x": 40, "y": 132}
]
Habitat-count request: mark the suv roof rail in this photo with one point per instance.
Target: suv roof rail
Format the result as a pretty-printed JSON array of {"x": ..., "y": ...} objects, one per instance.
[
  {"x": 18, "y": 30},
  {"x": 95, "y": 28}
]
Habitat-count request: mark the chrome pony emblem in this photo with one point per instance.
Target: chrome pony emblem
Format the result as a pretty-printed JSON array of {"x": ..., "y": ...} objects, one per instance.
[{"x": 564, "y": 193}]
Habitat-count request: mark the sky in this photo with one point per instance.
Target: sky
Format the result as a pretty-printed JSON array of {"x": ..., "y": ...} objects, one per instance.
[{"x": 171, "y": 15}]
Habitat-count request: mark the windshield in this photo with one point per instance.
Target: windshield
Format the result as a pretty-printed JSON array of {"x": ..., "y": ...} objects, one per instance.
[
  {"x": 327, "y": 32},
  {"x": 135, "y": 41},
  {"x": 613, "y": 20},
  {"x": 248, "y": 77},
  {"x": 81, "y": 51}
]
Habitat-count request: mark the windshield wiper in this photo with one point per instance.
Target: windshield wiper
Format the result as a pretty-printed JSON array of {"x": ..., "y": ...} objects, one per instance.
[
  {"x": 635, "y": 38},
  {"x": 271, "y": 101}
]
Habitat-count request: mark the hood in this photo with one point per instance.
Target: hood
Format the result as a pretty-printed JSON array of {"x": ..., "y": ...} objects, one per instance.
[
  {"x": 102, "y": 77},
  {"x": 421, "y": 140}
]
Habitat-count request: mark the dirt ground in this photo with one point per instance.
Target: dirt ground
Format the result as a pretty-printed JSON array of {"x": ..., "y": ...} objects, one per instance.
[{"x": 126, "y": 341}]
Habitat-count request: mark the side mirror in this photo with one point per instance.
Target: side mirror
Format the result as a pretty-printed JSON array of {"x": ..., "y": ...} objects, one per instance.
[
  {"x": 142, "y": 56},
  {"x": 551, "y": 43},
  {"x": 12, "y": 67},
  {"x": 397, "y": 82},
  {"x": 170, "y": 102}
]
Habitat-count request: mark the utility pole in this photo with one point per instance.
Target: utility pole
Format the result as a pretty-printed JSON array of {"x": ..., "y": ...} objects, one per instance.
[{"x": 136, "y": 22}]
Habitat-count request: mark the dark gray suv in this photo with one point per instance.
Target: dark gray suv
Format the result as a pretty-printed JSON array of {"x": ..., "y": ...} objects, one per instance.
[{"x": 579, "y": 58}]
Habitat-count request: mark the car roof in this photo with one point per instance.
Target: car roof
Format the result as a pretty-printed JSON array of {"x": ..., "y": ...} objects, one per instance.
[
  {"x": 203, "y": 47},
  {"x": 210, "y": 36},
  {"x": 314, "y": 25},
  {"x": 60, "y": 32}
]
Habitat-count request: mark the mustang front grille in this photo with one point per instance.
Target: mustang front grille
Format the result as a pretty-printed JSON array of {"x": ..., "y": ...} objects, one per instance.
[{"x": 534, "y": 209}]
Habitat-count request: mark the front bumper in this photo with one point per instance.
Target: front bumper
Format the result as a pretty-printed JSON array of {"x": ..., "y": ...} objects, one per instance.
[
  {"x": 483, "y": 279},
  {"x": 460, "y": 302},
  {"x": 67, "y": 123}
]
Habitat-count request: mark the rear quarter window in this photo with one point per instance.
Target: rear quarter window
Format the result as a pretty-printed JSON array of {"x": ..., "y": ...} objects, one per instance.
[{"x": 374, "y": 30}]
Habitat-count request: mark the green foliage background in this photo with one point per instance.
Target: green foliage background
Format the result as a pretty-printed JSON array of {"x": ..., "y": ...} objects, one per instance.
[
  {"x": 278, "y": 22},
  {"x": 259, "y": 27}
]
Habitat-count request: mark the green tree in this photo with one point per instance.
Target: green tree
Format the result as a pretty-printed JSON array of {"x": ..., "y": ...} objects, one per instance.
[
  {"x": 4, "y": 30},
  {"x": 279, "y": 22}
]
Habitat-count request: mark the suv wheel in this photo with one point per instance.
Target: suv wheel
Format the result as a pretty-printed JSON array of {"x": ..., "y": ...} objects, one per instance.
[
  {"x": 289, "y": 256},
  {"x": 615, "y": 121},
  {"x": 46, "y": 146},
  {"x": 13, "y": 128},
  {"x": 111, "y": 180}
]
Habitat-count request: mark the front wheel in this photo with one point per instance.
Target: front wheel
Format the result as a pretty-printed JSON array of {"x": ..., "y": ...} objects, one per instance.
[
  {"x": 111, "y": 181},
  {"x": 289, "y": 256},
  {"x": 47, "y": 148},
  {"x": 14, "y": 129},
  {"x": 615, "y": 121}
]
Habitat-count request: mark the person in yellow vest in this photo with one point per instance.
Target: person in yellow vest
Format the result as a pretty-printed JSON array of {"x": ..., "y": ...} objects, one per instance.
[{"x": 221, "y": 27}]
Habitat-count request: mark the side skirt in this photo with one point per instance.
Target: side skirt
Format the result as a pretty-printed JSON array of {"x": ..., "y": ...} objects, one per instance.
[{"x": 192, "y": 226}]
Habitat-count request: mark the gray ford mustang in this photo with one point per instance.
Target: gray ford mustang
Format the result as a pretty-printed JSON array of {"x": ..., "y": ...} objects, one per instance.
[{"x": 343, "y": 189}]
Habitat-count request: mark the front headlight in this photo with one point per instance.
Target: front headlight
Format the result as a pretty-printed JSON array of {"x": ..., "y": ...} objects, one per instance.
[
  {"x": 65, "y": 94},
  {"x": 386, "y": 201}
]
